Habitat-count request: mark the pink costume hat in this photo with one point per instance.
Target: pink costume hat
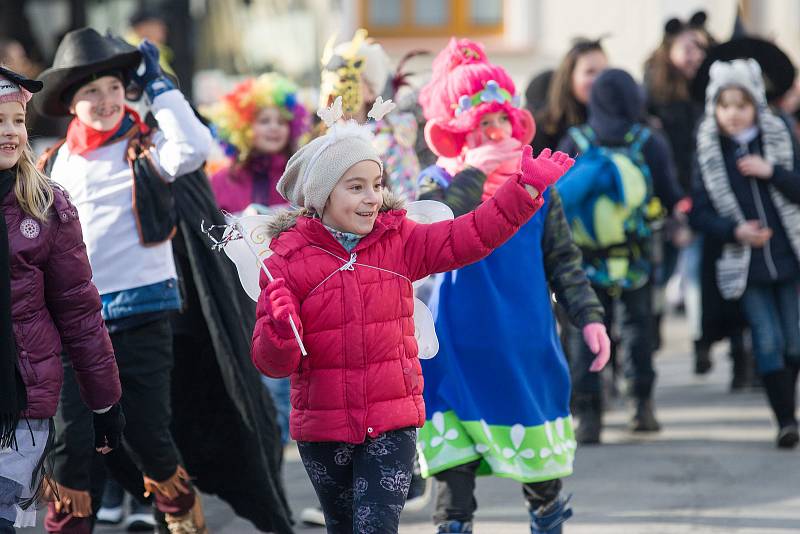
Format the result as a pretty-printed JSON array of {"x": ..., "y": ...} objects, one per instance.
[{"x": 464, "y": 86}]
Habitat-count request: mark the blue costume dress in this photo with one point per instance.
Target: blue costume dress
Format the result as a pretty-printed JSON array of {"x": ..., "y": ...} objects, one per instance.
[{"x": 499, "y": 389}]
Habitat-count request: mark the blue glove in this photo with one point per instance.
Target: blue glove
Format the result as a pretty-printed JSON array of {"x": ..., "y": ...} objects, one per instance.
[{"x": 149, "y": 75}]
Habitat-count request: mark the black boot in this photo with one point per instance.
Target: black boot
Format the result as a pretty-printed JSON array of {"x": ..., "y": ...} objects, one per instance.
[
  {"x": 702, "y": 357},
  {"x": 644, "y": 420},
  {"x": 742, "y": 361},
  {"x": 589, "y": 411},
  {"x": 779, "y": 387}
]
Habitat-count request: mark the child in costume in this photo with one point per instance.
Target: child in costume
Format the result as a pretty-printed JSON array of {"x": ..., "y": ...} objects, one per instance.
[
  {"x": 612, "y": 198},
  {"x": 344, "y": 266},
  {"x": 746, "y": 194},
  {"x": 498, "y": 392},
  {"x": 128, "y": 226},
  {"x": 186, "y": 373},
  {"x": 359, "y": 71},
  {"x": 47, "y": 299},
  {"x": 260, "y": 123}
]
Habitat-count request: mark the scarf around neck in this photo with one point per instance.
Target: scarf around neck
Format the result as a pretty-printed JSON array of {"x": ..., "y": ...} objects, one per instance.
[
  {"x": 82, "y": 138},
  {"x": 13, "y": 396},
  {"x": 734, "y": 262}
]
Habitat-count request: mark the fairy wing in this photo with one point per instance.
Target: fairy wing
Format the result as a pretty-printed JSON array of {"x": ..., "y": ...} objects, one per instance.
[
  {"x": 426, "y": 212},
  {"x": 425, "y": 331},
  {"x": 248, "y": 266}
]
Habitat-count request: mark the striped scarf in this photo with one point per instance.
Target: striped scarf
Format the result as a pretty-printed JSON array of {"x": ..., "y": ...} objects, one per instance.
[{"x": 734, "y": 263}]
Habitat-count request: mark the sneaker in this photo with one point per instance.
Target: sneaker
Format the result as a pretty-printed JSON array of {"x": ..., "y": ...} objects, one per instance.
[
  {"x": 313, "y": 516},
  {"x": 140, "y": 518},
  {"x": 419, "y": 493},
  {"x": 110, "y": 515},
  {"x": 549, "y": 518},
  {"x": 112, "y": 508},
  {"x": 788, "y": 437},
  {"x": 454, "y": 526}
]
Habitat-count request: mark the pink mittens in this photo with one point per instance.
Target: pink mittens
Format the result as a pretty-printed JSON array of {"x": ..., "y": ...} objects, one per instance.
[
  {"x": 545, "y": 170},
  {"x": 596, "y": 338},
  {"x": 277, "y": 300}
]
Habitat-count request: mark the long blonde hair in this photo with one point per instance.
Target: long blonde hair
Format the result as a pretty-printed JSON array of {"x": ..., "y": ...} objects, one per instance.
[{"x": 33, "y": 190}]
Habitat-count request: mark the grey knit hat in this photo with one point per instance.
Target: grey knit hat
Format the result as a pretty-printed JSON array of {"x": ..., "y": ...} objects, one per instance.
[
  {"x": 315, "y": 169},
  {"x": 742, "y": 73}
]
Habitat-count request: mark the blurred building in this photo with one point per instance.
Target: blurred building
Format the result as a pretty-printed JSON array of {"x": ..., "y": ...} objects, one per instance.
[{"x": 214, "y": 42}]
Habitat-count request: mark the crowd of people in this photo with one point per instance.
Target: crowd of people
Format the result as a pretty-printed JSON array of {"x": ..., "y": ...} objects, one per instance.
[{"x": 133, "y": 360}]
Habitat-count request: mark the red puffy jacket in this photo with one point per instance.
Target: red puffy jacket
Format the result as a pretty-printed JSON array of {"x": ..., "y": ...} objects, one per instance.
[{"x": 362, "y": 376}]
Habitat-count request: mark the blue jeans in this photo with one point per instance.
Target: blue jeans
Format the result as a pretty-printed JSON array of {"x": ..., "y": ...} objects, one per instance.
[
  {"x": 773, "y": 311},
  {"x": 279, "y": 390}
]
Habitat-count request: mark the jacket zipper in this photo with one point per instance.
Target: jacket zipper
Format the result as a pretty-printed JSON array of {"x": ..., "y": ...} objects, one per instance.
[{"x": 762, "y": 217}]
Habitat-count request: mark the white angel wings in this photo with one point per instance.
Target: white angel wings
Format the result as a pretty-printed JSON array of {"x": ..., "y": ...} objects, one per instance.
[{"x": 249, "y": 257}]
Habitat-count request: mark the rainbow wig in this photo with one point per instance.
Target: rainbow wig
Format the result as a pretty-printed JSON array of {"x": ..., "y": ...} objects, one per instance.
[
  {"x": 234, "y": 114},
  {"x": 464, "y": 86}
]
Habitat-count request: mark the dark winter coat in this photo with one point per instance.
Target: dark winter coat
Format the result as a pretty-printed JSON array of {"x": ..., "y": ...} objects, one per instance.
[
  {"x": 54, "y": 302},
  {"x": 749, "y": 192}
]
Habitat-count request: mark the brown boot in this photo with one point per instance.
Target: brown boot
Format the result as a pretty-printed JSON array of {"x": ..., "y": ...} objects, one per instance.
[{"x": 193, "y": 522}]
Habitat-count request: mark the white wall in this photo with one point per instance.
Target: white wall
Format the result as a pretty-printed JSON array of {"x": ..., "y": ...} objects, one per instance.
[{"x": 538, "y": 32}]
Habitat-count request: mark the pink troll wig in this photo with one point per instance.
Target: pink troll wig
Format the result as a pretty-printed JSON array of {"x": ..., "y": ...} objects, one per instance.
[{"x": 464, "y": 86}]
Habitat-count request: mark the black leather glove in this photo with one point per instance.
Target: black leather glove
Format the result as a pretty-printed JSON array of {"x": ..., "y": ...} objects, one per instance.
[{"x": 108, "y": 429}]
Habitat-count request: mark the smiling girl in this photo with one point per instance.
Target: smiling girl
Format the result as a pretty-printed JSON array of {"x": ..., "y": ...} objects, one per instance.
[
  {"x": 260, "y": 123},
  {"x": 47, "y": 300},
  {"x": 344, "y": 266}
]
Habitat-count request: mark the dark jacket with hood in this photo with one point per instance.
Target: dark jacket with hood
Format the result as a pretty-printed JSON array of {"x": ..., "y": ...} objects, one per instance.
[{"x": 615, "y": 106}]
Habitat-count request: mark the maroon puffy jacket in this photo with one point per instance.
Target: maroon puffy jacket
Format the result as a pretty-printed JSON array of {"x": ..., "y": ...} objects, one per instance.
[
  {"x": 362, "y": 376},
  {"x": 53, "y": 300}
]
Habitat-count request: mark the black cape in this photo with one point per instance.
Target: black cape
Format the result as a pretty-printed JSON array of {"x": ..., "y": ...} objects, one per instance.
[{"x": 223, "y": 417}]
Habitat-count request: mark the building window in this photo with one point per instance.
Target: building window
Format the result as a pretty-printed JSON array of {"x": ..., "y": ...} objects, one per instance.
[{"x": 431, "y": 18}]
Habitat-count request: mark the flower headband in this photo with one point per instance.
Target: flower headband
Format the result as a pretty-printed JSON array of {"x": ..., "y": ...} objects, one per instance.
[{"x": 492, "y": 92}]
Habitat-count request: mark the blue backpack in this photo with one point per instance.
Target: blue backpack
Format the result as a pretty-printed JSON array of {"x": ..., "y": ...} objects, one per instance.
[{"x": 608, "y": 200}]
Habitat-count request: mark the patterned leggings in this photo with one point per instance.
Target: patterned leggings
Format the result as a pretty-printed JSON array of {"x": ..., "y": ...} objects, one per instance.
[{"x": 362, "y": 488}]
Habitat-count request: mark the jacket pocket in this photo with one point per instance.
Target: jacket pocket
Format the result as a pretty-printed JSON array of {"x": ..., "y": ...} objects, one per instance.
[
  {"x": 26, "y": 368},
  {"x": 411, "y": 376}
]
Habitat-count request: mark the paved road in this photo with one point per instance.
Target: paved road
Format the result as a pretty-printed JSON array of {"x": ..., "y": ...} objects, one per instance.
[{"x": 713, "y": 469}]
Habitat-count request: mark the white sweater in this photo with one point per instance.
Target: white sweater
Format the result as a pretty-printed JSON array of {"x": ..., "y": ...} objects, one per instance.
[{"x": 100, "y": 184}]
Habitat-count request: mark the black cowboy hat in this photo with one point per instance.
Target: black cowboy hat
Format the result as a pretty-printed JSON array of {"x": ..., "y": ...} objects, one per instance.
[
  {"x": 81, "y": 54},
  {"x": 776, "y": 67},
  {"x": 33, "y": 86}
]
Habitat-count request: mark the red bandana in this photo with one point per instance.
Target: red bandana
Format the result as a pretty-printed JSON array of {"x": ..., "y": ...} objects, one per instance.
[{"x": 82, "y": 138}]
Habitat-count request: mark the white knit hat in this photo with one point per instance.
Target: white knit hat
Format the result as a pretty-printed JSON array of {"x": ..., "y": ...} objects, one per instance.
[
  {"x": 315, "y": 169},
  {"x": 741, "y": 73}
]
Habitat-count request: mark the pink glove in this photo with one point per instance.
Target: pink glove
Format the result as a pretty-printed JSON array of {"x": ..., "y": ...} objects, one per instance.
[
  {"x": 277, "y": 302},
  {"x": 489, "y": 156},
  {"x": 596, "y": 338},
  {"x": 545, "y": 170}
]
